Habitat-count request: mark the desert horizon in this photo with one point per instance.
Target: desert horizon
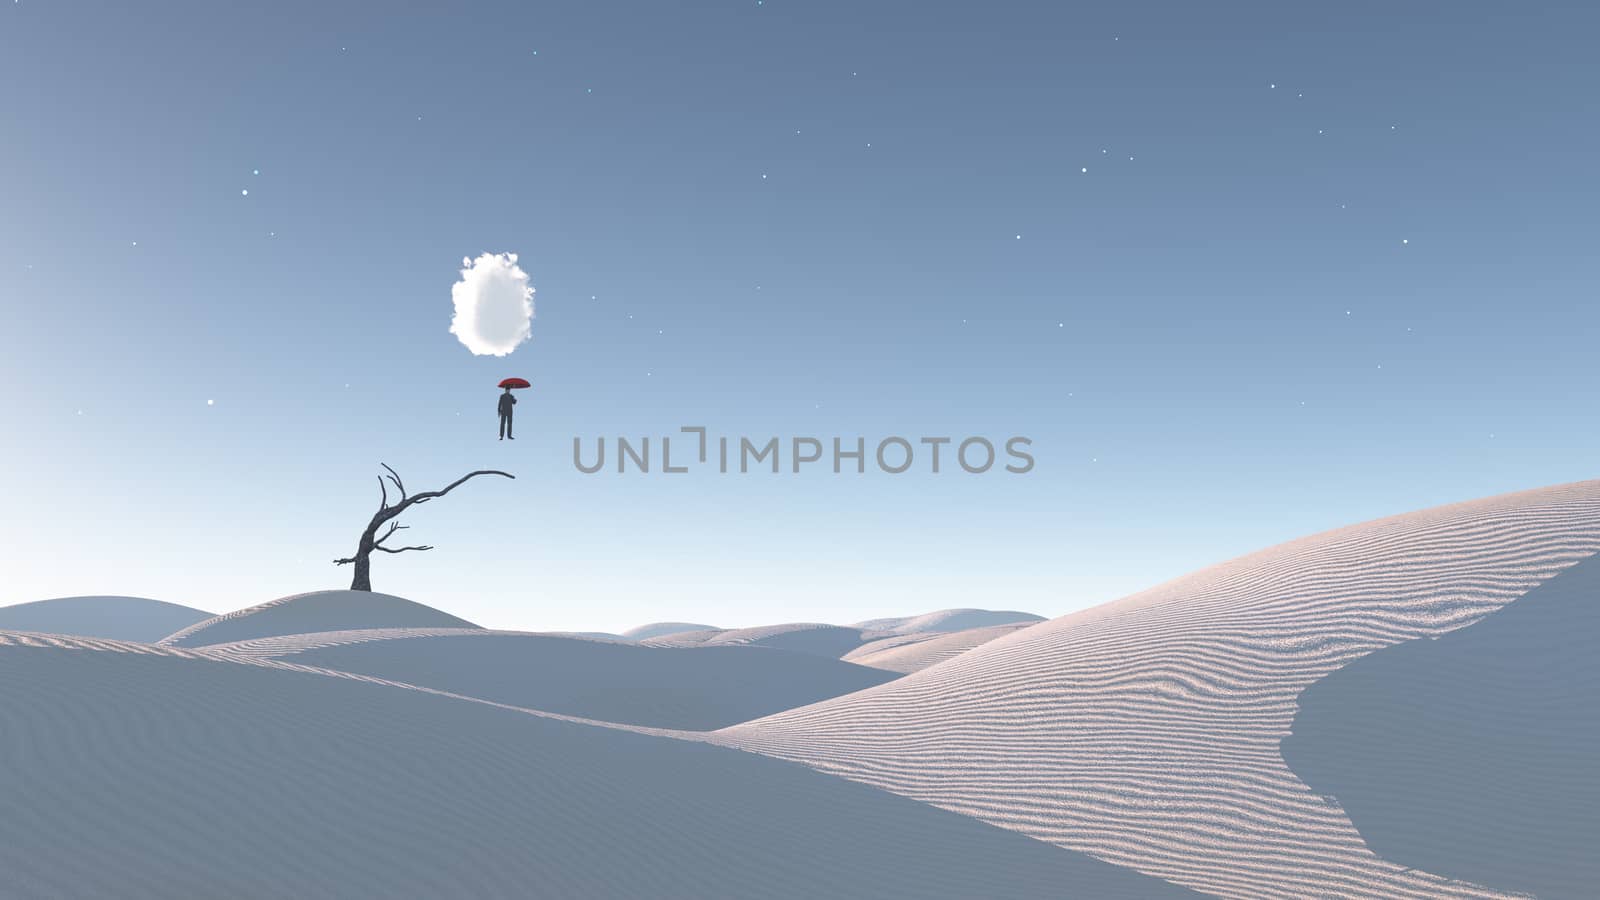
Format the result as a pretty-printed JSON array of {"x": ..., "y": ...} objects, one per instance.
[{"x": 1158, "y": 745}]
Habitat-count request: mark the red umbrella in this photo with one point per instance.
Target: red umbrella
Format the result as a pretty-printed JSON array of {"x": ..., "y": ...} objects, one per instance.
[{"x": 515, "y": 383}]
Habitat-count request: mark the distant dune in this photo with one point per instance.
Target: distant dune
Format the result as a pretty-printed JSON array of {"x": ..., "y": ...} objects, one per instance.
[
  {"x": 690, "y": 688},
  {"x": 662, "y": 629},
  {"x": 120, "y": 618},
  {"x": 1473, "y": 755},
  {"x": 317, "y": 611},
  {"x": 814, "y": 638},
  {"x": 152, "y": 772},
  {"x": 946, "y": 620},
  {"x": 919, "y": 650},
  {"x": 861, "y": 642},
  {"x": 1146, "y": 732}
]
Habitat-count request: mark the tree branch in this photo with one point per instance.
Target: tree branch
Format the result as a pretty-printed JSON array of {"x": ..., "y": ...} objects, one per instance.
[
  {"x": 400, "y": 549},
  {"x": 395, "y": 477},
  {"x": 425, "y": 496},
  {"x": 393, "y": 527},
  {"x": 384, "y": 503},
  {"x": 343, "y": 562}
]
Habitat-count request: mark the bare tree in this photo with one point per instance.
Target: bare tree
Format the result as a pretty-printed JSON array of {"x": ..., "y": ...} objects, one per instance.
[{"x": 389, "y": 515}]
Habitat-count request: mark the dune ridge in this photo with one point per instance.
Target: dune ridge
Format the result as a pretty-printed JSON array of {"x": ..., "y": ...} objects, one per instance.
[
  {"x": 918, "y": 650},
  {"x": 311, "y": 612},
  {"x": 281, "y": 645},
  {"x": 123, "y": 618},
  {"x": 693, "y": 688},
  {"x": 948, "y": 620},
  {"x": 816, "y": 638},
  {"x": 664, "y": 629},
  {"x": 1146, "y": 732}
]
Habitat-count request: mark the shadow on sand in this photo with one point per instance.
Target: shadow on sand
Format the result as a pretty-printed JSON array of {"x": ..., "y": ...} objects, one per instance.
[{"x": 1473, "y": 755}]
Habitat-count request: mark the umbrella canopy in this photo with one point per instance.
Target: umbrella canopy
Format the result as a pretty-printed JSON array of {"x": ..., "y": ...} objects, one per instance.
[{"x": 515, "y": 383}]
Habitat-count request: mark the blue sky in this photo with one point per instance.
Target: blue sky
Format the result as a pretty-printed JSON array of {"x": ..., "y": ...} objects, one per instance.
[{"x": 1324, "y": 265}]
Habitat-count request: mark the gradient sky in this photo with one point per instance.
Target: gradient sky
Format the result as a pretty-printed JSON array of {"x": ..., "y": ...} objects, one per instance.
[{"x": 1326, "y": 264}]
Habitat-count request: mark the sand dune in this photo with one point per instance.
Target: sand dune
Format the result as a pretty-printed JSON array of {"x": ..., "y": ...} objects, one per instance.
[
  {"x": 122, "y": 618},
  {"x": 316, "y": 611},
  {"x": 663, "y": 629},
  {"x": 948, "y": 620},
  {"x": 690, "y": 688},
  {"x": 1146, "y": 731},
  {"x": 918, "y": 650},
  {"x": 814, "y": 638},
  {"x": 152, "y": 772},
  {"x": 1473, "y": 755},
  {"x": 281, "y": 646},
  {"x": 854, "y": 642}
]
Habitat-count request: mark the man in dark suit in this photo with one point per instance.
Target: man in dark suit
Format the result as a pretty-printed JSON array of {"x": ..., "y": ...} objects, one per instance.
[{"x": 506, "y": 403}]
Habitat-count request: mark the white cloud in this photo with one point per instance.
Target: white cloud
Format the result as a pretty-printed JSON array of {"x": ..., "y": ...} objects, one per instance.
[{"x": 494, "y": 305}]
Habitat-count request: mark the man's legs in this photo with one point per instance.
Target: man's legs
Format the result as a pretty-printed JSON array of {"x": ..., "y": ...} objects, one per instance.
[
  {"x": 503, "y": 422},
  {"x": 508, "y": 426}
]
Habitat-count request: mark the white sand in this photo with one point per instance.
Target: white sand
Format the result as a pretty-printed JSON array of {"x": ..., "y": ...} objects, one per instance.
[
  {"x": 131, "y": 771},
  {"x": 691, "y": 688},
  {"x": 1473, "y": 754},
  {"x": 1147, "y": 731},
  {"x": 949, "y": 620},
  {"x": 316, "y": 611},
  {"x": 918, "y": 650},
  {"x": 814, "y": 638},
  {"x": 121, "y": 618},
  {"x": 663, "y": 629}
]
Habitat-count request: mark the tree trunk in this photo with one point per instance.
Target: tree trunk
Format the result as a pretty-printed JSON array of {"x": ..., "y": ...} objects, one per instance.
[
  {"x": 362, "y": 580},
  {"x": 363, "y": 577}
]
